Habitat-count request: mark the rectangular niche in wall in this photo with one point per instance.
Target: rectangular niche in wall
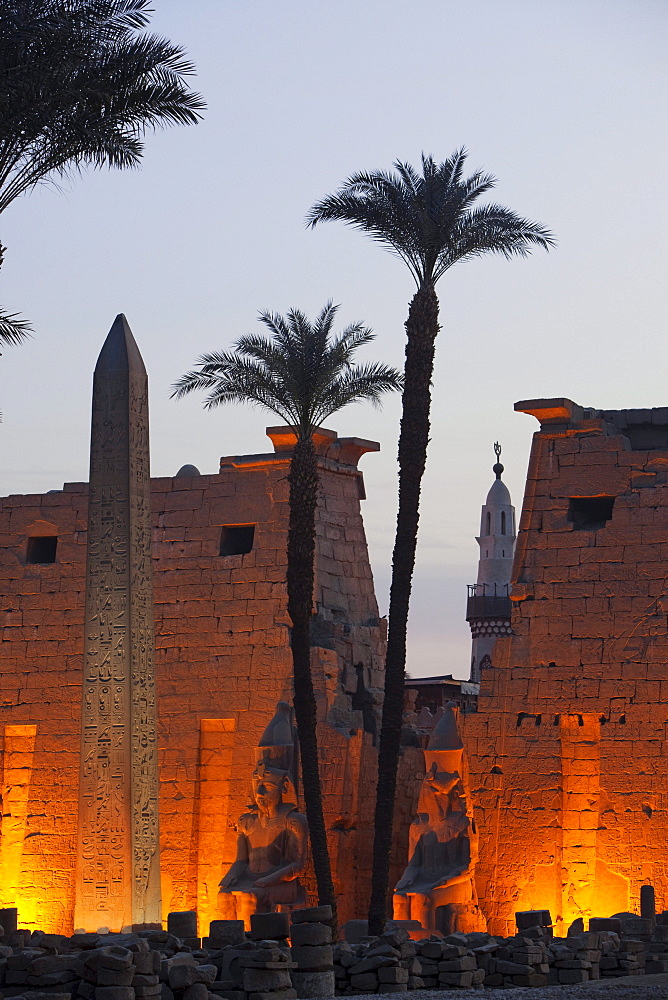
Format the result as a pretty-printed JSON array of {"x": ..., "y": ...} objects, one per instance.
[
  {"x": 42, "y": 549},
  {"x": 590, "y": 513},
  {"x": 236, "y": 539}
]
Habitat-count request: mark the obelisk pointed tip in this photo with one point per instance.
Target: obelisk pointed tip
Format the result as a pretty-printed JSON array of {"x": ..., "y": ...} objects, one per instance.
[{"x": 120, "y": 352}]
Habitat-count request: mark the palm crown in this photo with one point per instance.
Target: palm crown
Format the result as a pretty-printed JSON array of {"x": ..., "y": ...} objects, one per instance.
[
  {"x": 79, "y": 86},
  {"x": 303, "y": 372},
  {"x": 429, "y": 219}
]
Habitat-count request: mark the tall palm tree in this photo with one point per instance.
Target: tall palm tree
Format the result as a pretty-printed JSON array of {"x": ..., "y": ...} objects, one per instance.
[
  {"x": 80, "y": 83},
  {"x": 304, "y": 374},
  {"x": 428, "y": 219}
]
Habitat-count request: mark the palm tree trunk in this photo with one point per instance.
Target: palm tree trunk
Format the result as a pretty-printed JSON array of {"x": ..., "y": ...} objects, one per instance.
[
  {"x": 303, "y": 480},
  {"x": 421, "y": 330}
]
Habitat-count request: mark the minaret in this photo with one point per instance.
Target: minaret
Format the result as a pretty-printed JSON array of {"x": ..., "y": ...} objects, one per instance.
[
  {"x": 488, "y": 606},
  {"x": 118, "y": 865}
]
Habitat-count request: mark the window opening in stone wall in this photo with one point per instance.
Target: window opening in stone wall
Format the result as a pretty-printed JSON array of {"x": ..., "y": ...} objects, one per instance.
[
  {"x": 590, "y": 513},
  {"x": 236, "y": 539},
  {"x": 42, "y": 549},
  {"x": 489, "y": 524},
  {"x": 503, "y": 522}
]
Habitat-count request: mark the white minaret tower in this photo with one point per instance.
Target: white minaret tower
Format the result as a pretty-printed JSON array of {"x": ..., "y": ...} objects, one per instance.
[{"x": 488, "y": 606}]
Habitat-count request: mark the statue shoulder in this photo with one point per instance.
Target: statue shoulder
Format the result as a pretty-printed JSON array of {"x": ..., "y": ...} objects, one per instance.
[
  {"x": 296, "y": 821},
  {"x": 247, "y": 822}
]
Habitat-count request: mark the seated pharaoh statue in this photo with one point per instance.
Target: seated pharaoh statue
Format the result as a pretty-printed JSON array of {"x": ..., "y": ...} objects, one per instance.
[
  {"x": 438, "y": 886},
  {"x": 272, "y": 837}
]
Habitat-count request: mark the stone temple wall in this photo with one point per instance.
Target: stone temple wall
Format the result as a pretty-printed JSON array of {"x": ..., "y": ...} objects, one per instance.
[
  {"x": 222, "y": 664},
  {"x": 568, "y": 753}
]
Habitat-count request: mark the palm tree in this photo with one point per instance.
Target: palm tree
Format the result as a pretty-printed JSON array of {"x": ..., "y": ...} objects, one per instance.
[
  {"x": 80, "y": 84},
  {"x": 303, "y": 374},
  {"x": 429, "y": 221}
]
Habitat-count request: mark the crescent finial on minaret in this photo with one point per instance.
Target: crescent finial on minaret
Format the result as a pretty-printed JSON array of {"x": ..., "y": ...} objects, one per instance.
[{"x": 497, "y": 467}]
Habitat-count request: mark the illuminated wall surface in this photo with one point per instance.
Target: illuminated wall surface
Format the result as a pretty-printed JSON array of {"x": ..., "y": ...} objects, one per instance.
[
  {"x": 569, "y": 765},
  {"x": 222, "y": 663},
  {"x": 567, "y": 750}
]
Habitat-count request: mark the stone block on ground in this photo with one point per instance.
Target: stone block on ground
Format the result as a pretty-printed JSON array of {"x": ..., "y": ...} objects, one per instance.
[
  {"x": 182, "y": 923},
  {"x": 272, "y": 926},
  {"x": 392, "y": 974},
  {"x": 115, "y": 977},
  {"x": 310, "y": 934},
  {"x": 532, "y": 918},
  {"x": 114, "y": 993},
  {"x": 262, "y": 980},
  {"x": 313, "y": 959},
  {"x": 312, "y": 915},
  {"x": 365, "y": 981},
  {"x": 353, "y": 931},
  {"x": 573, "y": 976},
  {"x": 114, "y": 957},
  {"x": 9, "y": 916},
  {"x": 198, "y": 991},
  {"x": 182, "y": 976},
  {"x": 148, "y": 963},
  {"x": 605, "y": 924},
  {"x": 461, "y": 979},
  {"x": 224, "y": 932},
  {"x": 466, "y": 963},
  {"x": 287, "y": 994},
  {"x": 318, "y": 985}
]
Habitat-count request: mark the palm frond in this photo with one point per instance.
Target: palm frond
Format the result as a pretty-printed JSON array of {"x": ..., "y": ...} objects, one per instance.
[
  {"x": 303, "y": 372},
  {"x": 428, "y": 218},
  {"x": 13, "y": 330},
  {"x": 80, "y": 87}
]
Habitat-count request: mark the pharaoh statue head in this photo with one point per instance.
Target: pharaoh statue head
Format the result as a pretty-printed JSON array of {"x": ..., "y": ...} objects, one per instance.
[{"x": 275, "y": 758}]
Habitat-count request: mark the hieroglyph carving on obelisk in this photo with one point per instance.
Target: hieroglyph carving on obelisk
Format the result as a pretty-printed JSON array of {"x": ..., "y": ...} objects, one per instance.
[{"x": 118, "y": 867}]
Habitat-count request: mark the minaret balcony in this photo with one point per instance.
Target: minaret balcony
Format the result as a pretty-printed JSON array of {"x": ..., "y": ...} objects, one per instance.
[{"x": 488, "y": 601}]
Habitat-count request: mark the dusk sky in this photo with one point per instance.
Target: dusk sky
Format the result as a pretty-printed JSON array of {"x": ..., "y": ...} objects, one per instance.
[{"x": 564, "y": 101}]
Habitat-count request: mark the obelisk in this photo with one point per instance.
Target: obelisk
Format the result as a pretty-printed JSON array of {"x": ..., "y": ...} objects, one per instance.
[{"x": 118, "y": 861}]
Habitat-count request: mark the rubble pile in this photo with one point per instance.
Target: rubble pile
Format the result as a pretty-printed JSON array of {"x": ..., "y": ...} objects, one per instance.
[{"x": 279, "y": 960}]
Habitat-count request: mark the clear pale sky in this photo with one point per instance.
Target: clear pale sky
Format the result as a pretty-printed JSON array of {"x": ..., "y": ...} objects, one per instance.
[{"x": 563, "y": 100}]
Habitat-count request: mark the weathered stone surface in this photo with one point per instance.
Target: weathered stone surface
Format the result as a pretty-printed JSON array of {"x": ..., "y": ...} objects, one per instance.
[
  {"x": 568, "y": 718},
  {"x": 115, "y": 977},
  {"x": 259, "y": 980},
  {"x": 438, "y": 886},
  {"x": 52, "y": 963},
  {"x": 118, "y": 876},
  {"x": 313, "y": 959},
  {"x": 197, "y": 991},
  {"x": 224, "y": 932},
  {"x": 221, "y": 623},
  {"x": 464, "y": 964},
  {"x": 112, "y": 958},
  {"x": 182, "y": 976},
  {"x": 269, "y": 926},
  {"x": 182, "y": 923},
  {"x": 147, "y": 963},
  {"x": 310, "y": 934},
  {"x": 114, "y": 993},
  {"x": 365, "y": 981},
  {"x": 461, "y": 979},
  {"x": 319, "y": 985},
  {"x": 286, "y": 994},
  {"x": 393, "y": 975},
  {"x": 312, "y": 915},
  {"x": 144, "y": 980}
]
